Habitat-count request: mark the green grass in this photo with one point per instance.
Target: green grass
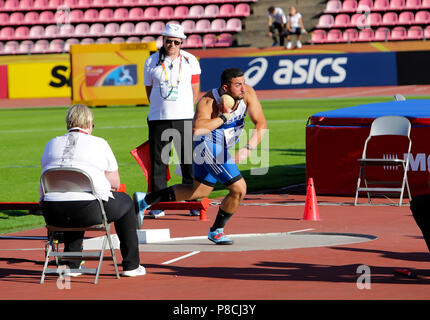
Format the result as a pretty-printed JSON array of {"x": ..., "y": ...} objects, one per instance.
[{"x": 24, "y": 133}]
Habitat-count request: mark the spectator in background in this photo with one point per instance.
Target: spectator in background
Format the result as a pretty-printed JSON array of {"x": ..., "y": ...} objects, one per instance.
[
  {"x": 295, "y": 26},
  {"x": 172, "y": 82},
  {"x": 277, "y": 21}
]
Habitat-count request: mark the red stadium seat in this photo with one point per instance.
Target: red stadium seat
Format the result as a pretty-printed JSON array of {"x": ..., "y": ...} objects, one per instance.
[
  {"x": 166, "y": 13},
  {"x": 209, "y": 40},
  {"x": 333, "y": 6},
  {"x": 224, "y": 40},
  {"x": 36, "y": 32},
  {"x": 390, "y": 19},
  {"x": 150, "y": 13},
  {"x": 181, "y": 12},
  {"x": 422, "y": 17},
  {"x": 126, "y": 29},
  {"x": 342, "y": 20},
  {"x": 366, "y": 35},
  {"x": 111, "y": 29},
  {"x": 211, "y": 11},
  {"x": 349, "y": 6},
  {"x": 415, "y": 33},
  {"x": 334, "y": 36},
  {"x": 319, "y": 36},
  {"x": 397, "y": 4},
  {"x": 382, "y": 34},
  {"x": 226, "y": 10},
  {"x": 40, "y": 46},
  {"x": 25, "y": 4},
  {"x": 413, "y": 4},
  {"x": 157, "y": 27},
  {"x": 16, "y": 18},
  {"x": 46, "y": 17},
  {"x": 406, "y": 17},
  {"x": 91, "y": 15},
  {"x": 142, "y": 28},
  {"x": 25, "y": 47},
  {"x": 21, "y": 33},
  {"x": 327, "y": 21},
  {"x": 233, "y": 25},
  {"x": 120, "y": 14},
  {"x": 7, "y": 33},
  {"x": 242, "y": 10},
  {"x": 398, "y": 33},
  {"x": 31, "y": 17},
  {"x": 350, "y": 35},
  {"x": 196, "y": 11},
  {"x": 218, "y": 25},
  {"x": 136, "y": 14},
  {"x": 381, "y": 5},
  {"x": 52, "y": 31},
  {"x": 203, "y": 26}
]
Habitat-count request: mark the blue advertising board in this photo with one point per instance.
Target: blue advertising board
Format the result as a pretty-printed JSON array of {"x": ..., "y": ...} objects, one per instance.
[{"x": 306, "y": 71}]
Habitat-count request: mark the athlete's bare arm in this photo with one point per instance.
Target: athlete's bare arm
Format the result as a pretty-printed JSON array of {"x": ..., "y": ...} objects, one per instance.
[{"x": 206, "y": 117}]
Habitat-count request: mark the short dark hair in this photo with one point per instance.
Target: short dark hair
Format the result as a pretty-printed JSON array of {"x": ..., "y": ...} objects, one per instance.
[
  {"x": 271, "y": 9},
  {"x": 229, "y": 74}
]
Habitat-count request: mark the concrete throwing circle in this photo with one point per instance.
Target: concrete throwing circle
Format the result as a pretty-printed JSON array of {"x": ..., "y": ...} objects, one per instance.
[{"x": 254, "y": 242}]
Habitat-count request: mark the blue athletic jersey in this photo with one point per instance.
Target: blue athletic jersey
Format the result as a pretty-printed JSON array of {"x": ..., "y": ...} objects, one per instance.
[{"x": 212, "y": 162}]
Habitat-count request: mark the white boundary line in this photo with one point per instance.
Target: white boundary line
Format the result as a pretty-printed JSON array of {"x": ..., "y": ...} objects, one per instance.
[{"x": 181, "y": 257}]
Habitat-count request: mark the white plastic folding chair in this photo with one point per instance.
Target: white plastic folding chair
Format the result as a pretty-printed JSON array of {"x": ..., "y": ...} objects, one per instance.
[
  {"x": 68, "y": 179},
  {"x": 386, "y": 126}
]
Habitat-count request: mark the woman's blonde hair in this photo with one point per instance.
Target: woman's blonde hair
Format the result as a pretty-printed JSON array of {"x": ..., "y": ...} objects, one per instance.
[{"x": 80, "y": 116}]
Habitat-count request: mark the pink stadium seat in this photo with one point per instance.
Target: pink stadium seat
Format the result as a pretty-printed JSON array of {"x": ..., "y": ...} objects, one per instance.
[
  {"x": 150, "y": 13},
  {"x": 52, "y": 31},
  {"x": 91, "y": 15},
  {"x": 56, "y": 46},
  {"x": 358, "y": 20},
  {"x": 218, "y": 25},
  {"x": 31, "y": 17},
  {"x": 148, "y": 39},
  {"x": 350, "y": 35},
  {"x": 36, "y": 32},
  {"x": 100, "y": 3},
  {"x": 181, "y": 12},
  {"x": 189, "y": 26},
  {"x": 40, "y": 46},
  {"x": 349, "y": 6},
  {"x": 7, "y": 33},
  {"x": 142, "y": 28},
  {"x": 334, "y": 36},
  {"x": 130, "y": 3},
  {"x": 46, "y": 17},
  {"x": 333, "y": 6},
  {"x": 397, "y": 4},
  {"x": 136, "y": 14},
  {"x": 41, "y": 4},
  {"x": 226, "y": 10},
  {"x": 209, "y": 40},
  {"x": 211, "y": 11},
  {"x": 196, "y": 11},
  {"x": 21, "y": 33},
  {"x": 111, "y": 29},
  {"x": 173, "y": 22},
  {"x": 427, "y": 32},
  {"x": 126, "y": 28},
  {"x": 224, "y": 40},
  {"x": 85, "y": 4},
  {"x": 365, "y": 5},
  {"x": 55, "y": 4},
  {"x": 242, "y": 10},
  {"x": 203, "y": 25},
  {"x": 381, "y": 5},
  {"x": 71, "y": 3},
  {"x": 382, "y": 34},
  {"x": 67, "y": 31},
  {"x": 390, "y": 19},
  {"x": 157, "y": 27},
  {"x": 87, "y": 41},
  {"x": 103, "y": 40},
  {"x": 120, "y": 14},
  {"x": 415, "y": 33},
  {"x": 4, "y": 19},
  {"x": 70, "y": 42},
  {"x": 25, "y": 4},
  {"x": 193, "y": 41},
  {"x": 413, "y": 4},
  {"x": 115, "y": 3},
  {"x": 11, "y": 5},
  {"x": 82, "y": 29},
  {"x": 422, "y": 17},
  {"x": 105, "y": 15},
  {"x": 97, "y": 29},
  {"x": 166, "y": 13},
  {"x": 342, "y": 20},
  {"x": 319, "y": 36},
  {"x": 233, "y": 25},
  {"x": 1, "y": 47},
  {"x": 374, "y": 19},
  {"x": 326, "y": 21},
  {"x": 398, "y": 33},
  {"x": 76, "y": 16},
  {"x": 132, "y": 40},
  {"x": 117, "y": 40},
  {"x": 25, "y": 47},
  {"x": 16, "y": 18},
  {"x": 11, "y": 47},
  {"x": 425, "y": 4},
  {"x": 62, "y": 16},
  {"x": 366, "y": 35},
  {"x": 406, "y": 17}
]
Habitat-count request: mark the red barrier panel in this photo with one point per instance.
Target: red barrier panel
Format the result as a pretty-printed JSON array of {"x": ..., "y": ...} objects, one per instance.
[{"x": 4, "y": 91}]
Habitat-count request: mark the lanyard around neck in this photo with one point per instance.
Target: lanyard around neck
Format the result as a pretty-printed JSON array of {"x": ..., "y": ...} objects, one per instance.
[
  {"x": 180, "y": 70},
  {"x": 79, "y": 130}
]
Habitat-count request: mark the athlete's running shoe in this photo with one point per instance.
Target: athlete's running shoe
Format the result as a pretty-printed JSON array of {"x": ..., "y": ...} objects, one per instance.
[
  {"x": 139, "y": 206},
  {"x": 218, "y": 237}
]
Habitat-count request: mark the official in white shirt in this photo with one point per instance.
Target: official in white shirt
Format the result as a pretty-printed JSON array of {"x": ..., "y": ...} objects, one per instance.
[
  {"x": 276, "y": 21},
  {"x": 294, "y": 26},
  {"x": 172, "y": 83},
  {"x": 79, "y": 148}
]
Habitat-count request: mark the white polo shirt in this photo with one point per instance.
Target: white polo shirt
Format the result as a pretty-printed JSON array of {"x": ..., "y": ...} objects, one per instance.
[
  {"x": 163, "y": 104},
  {"x": 89, "y": 153},
  {"x": 278, "y": 16},
  {"x": 294, "y": 21}
]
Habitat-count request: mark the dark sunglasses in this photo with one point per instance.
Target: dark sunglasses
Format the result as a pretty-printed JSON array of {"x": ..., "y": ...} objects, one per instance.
[{"x": 176, "y": 42}]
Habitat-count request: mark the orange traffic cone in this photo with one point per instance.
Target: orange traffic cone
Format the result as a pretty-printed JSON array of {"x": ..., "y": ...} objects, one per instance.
[{"x": 311, "y": 204}]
